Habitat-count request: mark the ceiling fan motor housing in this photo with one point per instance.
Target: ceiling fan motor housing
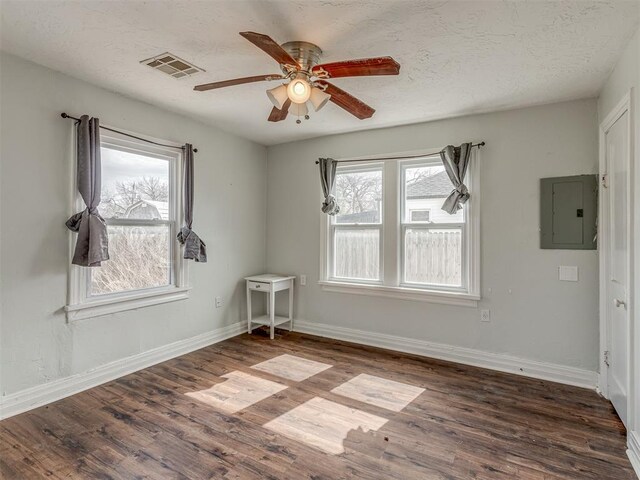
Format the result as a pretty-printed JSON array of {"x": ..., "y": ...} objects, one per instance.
[{"x": 305, "y": 53}]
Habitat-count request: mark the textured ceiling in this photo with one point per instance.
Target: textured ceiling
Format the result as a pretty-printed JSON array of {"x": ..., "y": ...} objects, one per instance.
[{"x": 457, "y": 57}]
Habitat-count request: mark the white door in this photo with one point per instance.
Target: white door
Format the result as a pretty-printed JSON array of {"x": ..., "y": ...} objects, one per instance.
[{"x": 616, "y": 221}]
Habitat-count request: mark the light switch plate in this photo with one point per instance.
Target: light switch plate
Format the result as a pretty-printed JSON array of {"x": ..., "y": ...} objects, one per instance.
[{"x": 568, "y": 274}]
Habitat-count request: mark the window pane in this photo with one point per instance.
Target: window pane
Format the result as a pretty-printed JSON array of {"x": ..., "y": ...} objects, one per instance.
[
  {"x": 140, "y": 257},
  {"x": 134, "y": 186},
  {"x": 357, "y": 253},
  {"x": 433, "y": 256},
  {"x": 425, "y": 189},
  {"x": 359, "y": 195},
  {"x": 420, "y": 215}
]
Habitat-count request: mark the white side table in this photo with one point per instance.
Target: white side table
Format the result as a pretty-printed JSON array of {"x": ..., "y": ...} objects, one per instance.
[{"x": 269, "y": 283}]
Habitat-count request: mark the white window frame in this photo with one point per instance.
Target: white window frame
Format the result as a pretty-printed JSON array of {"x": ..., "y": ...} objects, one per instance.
[
  {"x": 433, "y": 161},
  {"x": 81, "y": 304},
  {"x": 334, "y": 227},
  {"x": 392, "y": 253}
]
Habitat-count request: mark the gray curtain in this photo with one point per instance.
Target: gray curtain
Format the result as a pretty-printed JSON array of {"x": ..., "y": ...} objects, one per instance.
[
  {"x": 92, "y": 244},
  {"x": 327, "y": 179},
  {"x": 194, "y": 248},
  {"x": 456, "y": 161}
]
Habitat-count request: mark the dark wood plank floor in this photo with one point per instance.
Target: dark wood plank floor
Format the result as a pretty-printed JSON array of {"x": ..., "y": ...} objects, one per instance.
[{"x": 468, "y": 423}]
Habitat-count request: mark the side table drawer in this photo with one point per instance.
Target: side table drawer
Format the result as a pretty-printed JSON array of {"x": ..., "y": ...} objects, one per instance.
[{"x": 265, "y": 287}]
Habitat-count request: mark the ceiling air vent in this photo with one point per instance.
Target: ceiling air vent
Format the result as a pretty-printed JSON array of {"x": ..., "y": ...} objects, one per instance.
[{"x": 172, "y": 65}]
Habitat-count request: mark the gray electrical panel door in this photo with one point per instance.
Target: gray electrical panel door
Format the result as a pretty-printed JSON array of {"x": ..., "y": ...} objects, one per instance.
[{"x": 568, "y": 209}]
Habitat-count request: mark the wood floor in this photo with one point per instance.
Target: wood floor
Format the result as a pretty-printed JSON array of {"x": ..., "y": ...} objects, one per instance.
[{"x": 347, "y": 421}]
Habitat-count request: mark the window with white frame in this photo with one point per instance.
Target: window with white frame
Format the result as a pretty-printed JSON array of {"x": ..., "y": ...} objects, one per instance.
[
  {"x": 393, "y": 238},
  {"x": 433, "y": 252},
  {"x": 140, "y": 203},
  {"x": 356, "y": 232}
]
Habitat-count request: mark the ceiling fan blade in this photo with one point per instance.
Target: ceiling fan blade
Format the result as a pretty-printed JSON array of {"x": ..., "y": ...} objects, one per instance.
[
  {"x": 358, "y": 68},
  {"x": 237, "y": 81},
  {"x": 270, "y": 47},
  {"x": 279, "y": 115},
  {"x": 350, "y": 103}
]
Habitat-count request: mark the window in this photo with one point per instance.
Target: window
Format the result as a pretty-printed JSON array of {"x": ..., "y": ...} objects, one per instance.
[
  {"x": 432, "y": 253},
  {"x": 356, "y": 232},
  {"x": 392, "y": 238},
  {"x": 140, "y": 204}
]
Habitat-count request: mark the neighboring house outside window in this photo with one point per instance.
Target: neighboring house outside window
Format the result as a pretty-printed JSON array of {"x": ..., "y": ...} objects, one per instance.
[
  {"x": 148, "y": 209},
  {"x": 433, "y": 255},
  {"x": 420, "y": 215},
  {"x": 140, "y": 203}
]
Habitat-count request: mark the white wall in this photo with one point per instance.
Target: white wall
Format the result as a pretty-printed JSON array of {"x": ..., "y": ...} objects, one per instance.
[
  {"x": 37, "y": 344},
  {"x": 626, "y": 76},
  {"x": 533, "y": 315}
]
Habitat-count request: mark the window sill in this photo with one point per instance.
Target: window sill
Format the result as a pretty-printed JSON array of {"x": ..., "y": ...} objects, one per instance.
[
  {"x": 97, "y": 308},
  {"x": 402, "y": 293}
]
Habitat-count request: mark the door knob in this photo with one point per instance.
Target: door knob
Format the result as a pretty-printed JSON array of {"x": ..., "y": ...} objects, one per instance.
[{"x": 619, "y": 303}]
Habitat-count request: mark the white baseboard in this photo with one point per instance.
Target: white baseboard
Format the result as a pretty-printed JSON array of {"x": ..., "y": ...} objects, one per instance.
[
  {"x": 633, "y": 440},
  {"x": 39, "y": 395},
  {"x": 468, "y": 356}
]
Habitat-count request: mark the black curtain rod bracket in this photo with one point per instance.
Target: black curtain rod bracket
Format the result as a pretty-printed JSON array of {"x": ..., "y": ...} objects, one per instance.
[
  {"x": 65, "y": 115},
  {"x": 404, "y": 157}
]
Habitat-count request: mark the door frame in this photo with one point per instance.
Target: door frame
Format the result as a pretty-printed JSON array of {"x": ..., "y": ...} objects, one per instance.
[{"x": 624, "y": 106}]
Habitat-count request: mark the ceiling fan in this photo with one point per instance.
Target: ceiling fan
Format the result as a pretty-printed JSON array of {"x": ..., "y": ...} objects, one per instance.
[{"x": 307, "y": 79}]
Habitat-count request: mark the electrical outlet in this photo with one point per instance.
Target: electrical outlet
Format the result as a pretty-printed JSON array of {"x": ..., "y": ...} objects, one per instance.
[
  {"x": 485, "y": 315},
  {"x": 303, "y": 279},
  {"x": 218, "y": 302}
]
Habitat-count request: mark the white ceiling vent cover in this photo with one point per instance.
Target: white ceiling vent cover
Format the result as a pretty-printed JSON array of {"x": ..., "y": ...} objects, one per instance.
[{"x": 171, "y": 65}]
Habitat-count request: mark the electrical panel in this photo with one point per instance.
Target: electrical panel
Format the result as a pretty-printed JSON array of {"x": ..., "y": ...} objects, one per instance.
[{"x": 568, "y": 212}]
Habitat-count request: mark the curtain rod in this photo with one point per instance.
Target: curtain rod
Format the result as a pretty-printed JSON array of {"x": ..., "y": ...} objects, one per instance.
[
  {"x": 64, "y": 115},
  {"x": 403, "y": 157}
]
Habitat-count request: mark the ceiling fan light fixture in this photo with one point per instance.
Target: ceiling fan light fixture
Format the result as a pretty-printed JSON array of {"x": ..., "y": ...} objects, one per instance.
[
  {"x": 299, "y": 90},
  {"x": 298, "y": 109},
  {"x": 278, "y": 96},
  {"x": 318, "y": 98}
]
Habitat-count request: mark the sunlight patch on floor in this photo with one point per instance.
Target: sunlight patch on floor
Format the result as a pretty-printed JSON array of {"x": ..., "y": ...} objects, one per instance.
[
  {"x": 292, "y": 367},
  {"x": 240, "y": 391},
  {"x": 380, "y": 392},
  {"x": 323, "y": 424}
]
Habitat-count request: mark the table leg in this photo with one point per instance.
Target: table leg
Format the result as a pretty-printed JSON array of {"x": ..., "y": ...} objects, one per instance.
[
  {"x": 291, "y": 305},
  {"x": 272, "y": 309},
  {"x": 248, "y": 309}
]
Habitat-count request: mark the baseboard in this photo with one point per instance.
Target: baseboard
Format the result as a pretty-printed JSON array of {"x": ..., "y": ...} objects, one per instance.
[
  {"x": 40, "y": 395},
  {"x": 633, "y": 452},
  {"x": 467, "y": 356}
]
